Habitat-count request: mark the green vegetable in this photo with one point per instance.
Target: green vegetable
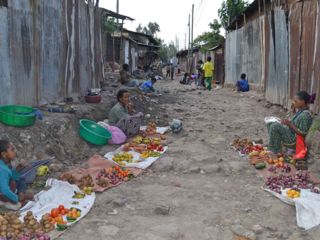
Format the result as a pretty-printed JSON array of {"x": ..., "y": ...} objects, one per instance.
[{"x": 260, "y": 165}]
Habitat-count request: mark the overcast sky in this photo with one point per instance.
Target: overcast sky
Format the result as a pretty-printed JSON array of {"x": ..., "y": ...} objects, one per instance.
[{"x": 171, "y": 15}]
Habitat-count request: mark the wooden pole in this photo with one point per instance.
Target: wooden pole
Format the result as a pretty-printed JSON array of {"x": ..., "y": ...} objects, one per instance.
[{"x": 191, "y": 65}]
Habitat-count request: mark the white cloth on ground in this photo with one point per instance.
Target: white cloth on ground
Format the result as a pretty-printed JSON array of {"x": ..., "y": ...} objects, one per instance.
[
  {"x": 307, "y": 207},
  {"x": 59, "y": 193}
]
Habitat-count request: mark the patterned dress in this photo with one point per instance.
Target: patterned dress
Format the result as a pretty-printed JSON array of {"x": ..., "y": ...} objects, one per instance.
[{"x": 281, "y": 135}]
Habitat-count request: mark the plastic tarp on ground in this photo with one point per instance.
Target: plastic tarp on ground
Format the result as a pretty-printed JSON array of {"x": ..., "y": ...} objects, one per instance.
[
  {"x": 93, "y": 167},
  {"x": 59, "y": 193},
  {"x": 138, "y": 162},
  {"x": 307, "y": 207}
]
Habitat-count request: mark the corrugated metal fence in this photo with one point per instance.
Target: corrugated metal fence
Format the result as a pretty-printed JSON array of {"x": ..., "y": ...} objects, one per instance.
[
  {"x": 49, "y": 50},
  {"x": 280, "y": 52}
]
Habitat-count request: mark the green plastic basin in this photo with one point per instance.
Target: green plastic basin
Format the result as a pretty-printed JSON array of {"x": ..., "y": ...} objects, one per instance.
[
  {"x": 94, "y": 133},
  {"x": 17, "y": 116}
]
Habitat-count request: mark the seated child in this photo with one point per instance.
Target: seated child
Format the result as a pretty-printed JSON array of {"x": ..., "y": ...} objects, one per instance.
[
  {"x": 12, "y": 186},
  {"x": 185, "y": 79},
  {"x": 242, "y": 84},
  {"x": 147, "y": 87}
]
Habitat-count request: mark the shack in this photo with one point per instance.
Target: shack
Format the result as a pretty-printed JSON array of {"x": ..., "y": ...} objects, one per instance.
[
  {"x": 277, "y": 43},
  {"x": 140, "y": 50},
  {"x": 49, "y": 50},
  {"x": 112, "y": 42}
]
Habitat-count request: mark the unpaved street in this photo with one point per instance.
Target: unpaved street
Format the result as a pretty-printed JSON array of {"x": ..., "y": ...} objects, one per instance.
[{"x": 210, "y": 190}]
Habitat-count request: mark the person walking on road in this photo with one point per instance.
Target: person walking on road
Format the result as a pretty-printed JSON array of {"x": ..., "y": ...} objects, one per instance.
[
  {"x": 208, "y": 69},
  {"x": 172, "y": 71}
]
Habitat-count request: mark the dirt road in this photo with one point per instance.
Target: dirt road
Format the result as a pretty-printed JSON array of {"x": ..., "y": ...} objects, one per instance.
[{"x": 201, "y": 189}]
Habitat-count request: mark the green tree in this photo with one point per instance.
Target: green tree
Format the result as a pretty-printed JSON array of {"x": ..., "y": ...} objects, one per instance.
[
  {"x": 167, "y": 51},
  {"x": 210, "y": 39},
  {"x": 229, "y": 10},
  {"x": 139, "y": 29},
  {"x": 151, "y": 29},
  {"x": 109, "y": 25}
]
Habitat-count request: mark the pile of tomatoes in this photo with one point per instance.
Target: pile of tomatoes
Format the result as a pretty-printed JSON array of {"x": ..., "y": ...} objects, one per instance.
[
  {"x": 56, "y": 215},
  {"x": 155, "y": 147}
]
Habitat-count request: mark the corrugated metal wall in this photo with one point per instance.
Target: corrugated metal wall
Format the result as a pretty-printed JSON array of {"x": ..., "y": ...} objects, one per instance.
[
  {"x": 284, "y": 53},
  {"x": 49, "y": 50},
  {"x": 243, "y": 53}
]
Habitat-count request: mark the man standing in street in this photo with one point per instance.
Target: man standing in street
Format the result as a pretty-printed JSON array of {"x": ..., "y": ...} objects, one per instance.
[
  {"x": 172, "y": 71},
  {"x": 208, "y": 69}
]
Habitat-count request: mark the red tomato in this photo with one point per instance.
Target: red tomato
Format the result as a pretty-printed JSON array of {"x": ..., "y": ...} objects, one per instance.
[
  {"x": 61, "y": 207},
  {"x": 54, "y": 212}
]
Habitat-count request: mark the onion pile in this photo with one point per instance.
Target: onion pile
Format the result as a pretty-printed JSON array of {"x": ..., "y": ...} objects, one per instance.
[{"x": 301, "y": 180}]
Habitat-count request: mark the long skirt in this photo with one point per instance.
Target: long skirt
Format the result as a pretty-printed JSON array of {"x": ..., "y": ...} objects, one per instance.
[
  {"x": 130, "y": 125},
  {"x": 279, "y": 136}
]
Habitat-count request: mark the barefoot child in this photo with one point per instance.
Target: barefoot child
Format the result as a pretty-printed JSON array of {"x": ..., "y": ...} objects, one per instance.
[{"x": 12, "y": 187}]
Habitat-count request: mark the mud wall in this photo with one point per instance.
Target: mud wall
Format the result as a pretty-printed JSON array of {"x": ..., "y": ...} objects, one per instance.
[
  {"x": 49, "y": 50},
  {"x": 279, "y": 51}
]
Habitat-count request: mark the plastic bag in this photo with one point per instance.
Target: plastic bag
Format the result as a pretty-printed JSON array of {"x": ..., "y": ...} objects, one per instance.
[{"x": 118, "y": 136}]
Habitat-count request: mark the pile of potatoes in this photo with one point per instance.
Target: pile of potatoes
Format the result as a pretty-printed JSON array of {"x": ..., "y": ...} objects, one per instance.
[{"x": 11, "y": 227}]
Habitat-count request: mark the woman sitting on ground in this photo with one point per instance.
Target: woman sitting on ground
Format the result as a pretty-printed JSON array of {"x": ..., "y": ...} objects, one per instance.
[
  {"x": 122, "y": 115},
  {"x": 12, "y": 186},
  {"x": 285, "y": 133}
]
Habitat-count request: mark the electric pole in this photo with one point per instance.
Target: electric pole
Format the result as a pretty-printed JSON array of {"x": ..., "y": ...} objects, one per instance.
[
  {"x": 185, "y": 40},
  {"x": 192, "y": 26},
  {"x": 189, "y": 44},
  {"x": 117, "y": 10}
]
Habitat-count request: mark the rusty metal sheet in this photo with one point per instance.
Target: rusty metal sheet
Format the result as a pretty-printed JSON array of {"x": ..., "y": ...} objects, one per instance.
[
  {"x": 315, "y": 84},
  {"x": 307, "y": 43},
  {"x": 243, "y": 53},
  {"x": 277, "y": 86},
  {"x": 295, "y": 47},
  {"x": 52, "y": 50},
  {"x": 5, "y": 83}
]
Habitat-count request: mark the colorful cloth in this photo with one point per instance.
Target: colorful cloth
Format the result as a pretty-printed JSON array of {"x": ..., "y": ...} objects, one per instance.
[
  {"x": 208, "y": 69},
  {"x": 116, "y": 113},
  {"x": 281, "y": 135},
  {"x": 6, "y": 175}
]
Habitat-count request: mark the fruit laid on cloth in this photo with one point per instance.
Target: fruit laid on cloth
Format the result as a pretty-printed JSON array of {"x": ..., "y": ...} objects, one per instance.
[
  {"x": 123, "y": 158},
  {"x": 137, "y": 140},
  {"x": 11, "y": 226},
  {"x": 86, "y": 181},
  {"x": 279, "y": 162},
  {"x": 254, "y": 153},
  {"x": 301, "y": 180},
  {"x": 73, "y": 214},
  {"x": 102, "y": 182},
  {"x": 87, "y": 190},
  {"x": 31, "y": 223},
  {"x": 151, "y": 128},
  {"x": 61, "y": 227},
  {"x": 114, "y": 175},
  {"x": 148, "y": 154},
  {"x": 46, "y": 224},
  {"x": 241, "y": 144},
  {"x": 260, "y": 165},
  {"x": 292, "y": 193},
  {"x": 155, "y": 147},
  {"x": 42, "y": 171},
  {"x": 67, "y": 177},
  {"x": 78, "y": 195}
]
